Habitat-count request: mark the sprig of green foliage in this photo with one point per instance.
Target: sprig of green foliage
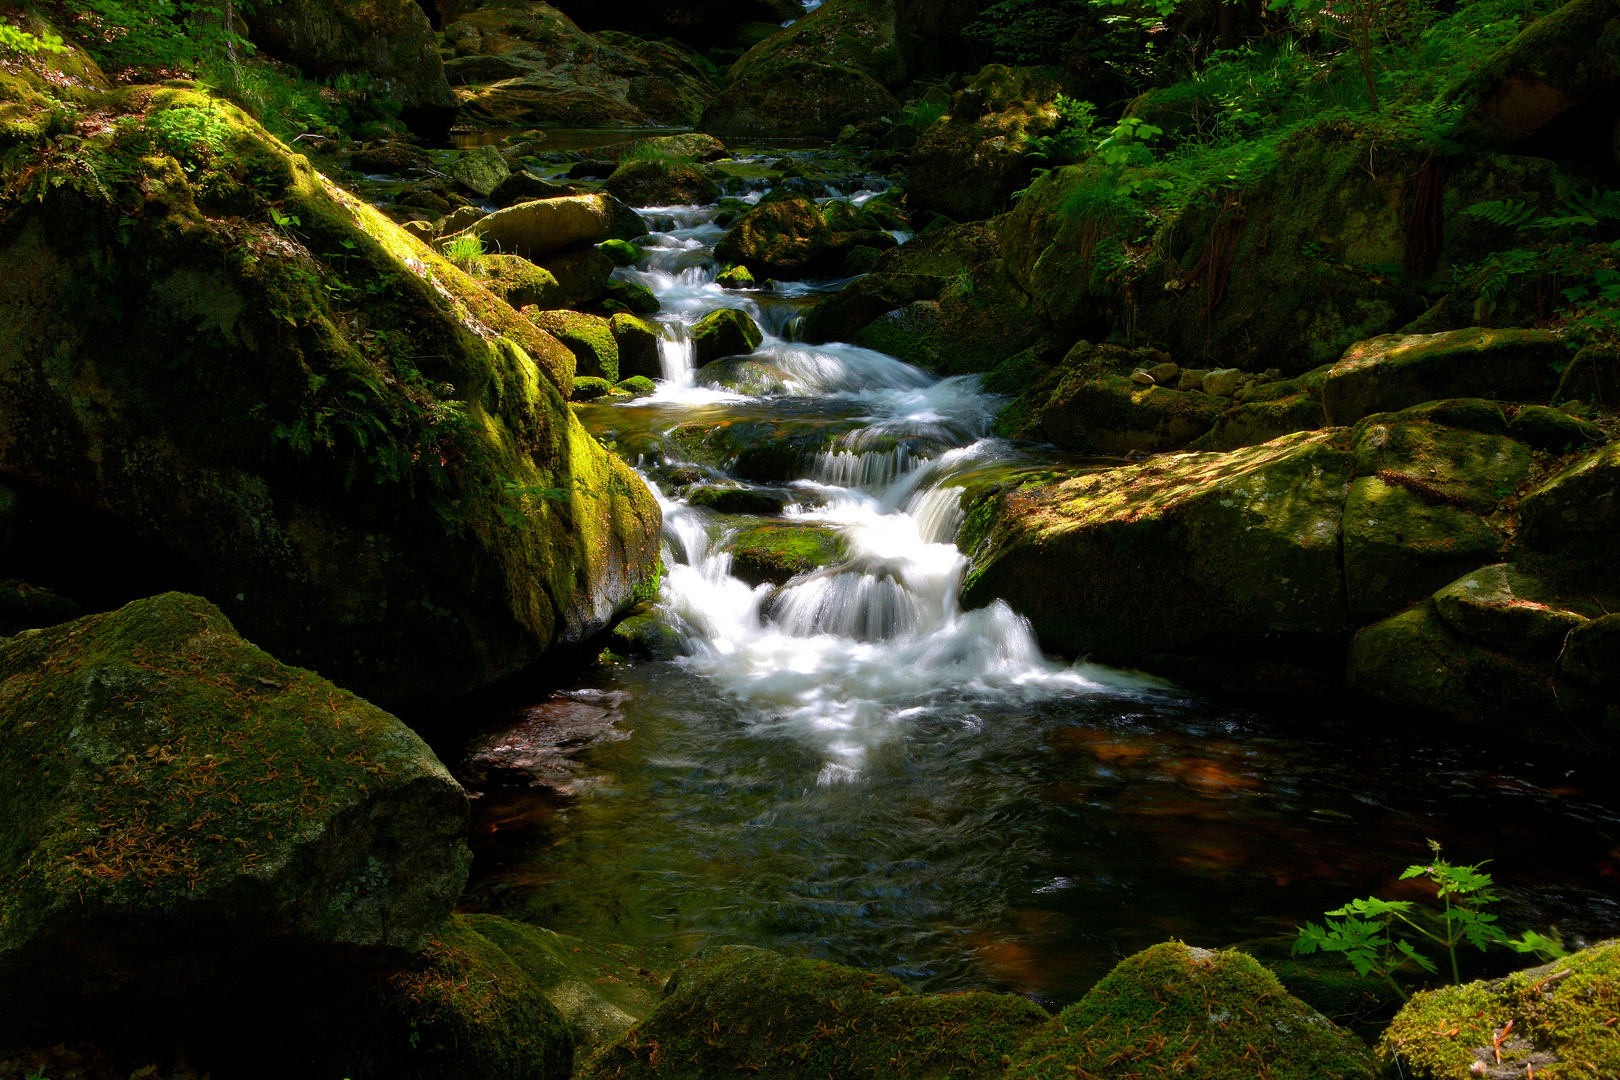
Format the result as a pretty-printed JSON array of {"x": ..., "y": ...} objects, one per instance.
[
  {"x": 18, "y": 40},
  {"x": 1368, "y": 932}
]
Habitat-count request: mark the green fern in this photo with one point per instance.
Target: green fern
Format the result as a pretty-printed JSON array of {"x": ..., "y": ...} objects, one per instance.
[{"x": 1510, "y": 212}]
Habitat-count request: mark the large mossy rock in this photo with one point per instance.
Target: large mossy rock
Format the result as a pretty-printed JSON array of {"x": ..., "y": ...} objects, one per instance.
[
  {"x": 968, "y": 165},
  {"x": 543, "y": 227},
  {"x": 589, "y": 337},
  {"x": 738, "y": 1009},
  {"x": 462, "y": 1010},
  {"x": 658, "y": 182},
  {"x": 390, "y": 42},
  {"x": 1577, "y": 511},
  {"x": 1189, "y": 553},
  {"x": 1191, "y": 1012},
  {"x": 1556, "y": 1021},
  {"x": 1089, "y": 402},
  {"x": 1506, "y": 608},
  {"x": 723, "y": 333},
  {"x": 788, "y": 238},
  {"x": 184, "y": 814},
  {"x": 1394, "y": 371},
  {"x": 777, "y": 551},
  {"x": 841, "y": 316},
  {"x": 530, "y": 65},
  {"x": 1560, "y": 61},
  {"x": 858, "y": 34},
  {"x": 800, "y": 99},
  {"x": 520, "y": 282},
  {"x": 328, "y": 429}
]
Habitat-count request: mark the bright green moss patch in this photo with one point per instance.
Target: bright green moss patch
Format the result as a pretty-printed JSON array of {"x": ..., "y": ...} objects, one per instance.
[
  {"x": 1558, "y": 1020},
  {"x": 1175, "y": 1011},
  {"x": 743, "y": 1011}
]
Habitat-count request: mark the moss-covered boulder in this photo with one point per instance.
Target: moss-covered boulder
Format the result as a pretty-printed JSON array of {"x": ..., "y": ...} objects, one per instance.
[
  {"x": 539, "y": 228},
  {"x": 332, "y": 429},
  {"x": 1188, "y": 553},
  {"x": 775, "y": 551},
  {"x": 1417, "y": 661},
  {"x": 28, "y": 607},
  {"x": 389, "y": 42},
  {"x": 181, "y": 808},
  {"x": 584, "y": 273},
  {"x": 1552, "y": 1021},
  {"x": 638, "y": 346},
  {"x": 1506, "y": 608},
  {"x": 635, "y": 386},
  {"x": 858, "y": 34},
  {"x": 1420, "y": 511},
  {"x": 480, "y": 170},
  {"x": 1553, "y": 430},
  {"x": 1559, "y": 61},
  {"x": 1261, "y": 421},
  {"x": 590, "y": 337},
  {"x": 841, "y": 316},
  {"x": 1591, "y": 654},
  {"x": 661, "y": 182},
  {"x": 645, "y": 634},
  {"x": 628, "y": 297},
  {"x": 1191, "y": 1012},
  {"x": 735, "y": 277},
  {"x": 1096, "y": 405},
  {"x": 735, "y": 1008},
  {"x": 520, "y": 282},
  {"x": 968, "y": 165},
  {"x": 1394, "y": 371},
  {"x": 590, "y": 387},
  {"x": 1577, "y": 511},
  {"x": 788, "y": 238},
  {"x": 463, "y": 1010},
  {"x": 801, "y": 99},
  {"x": 750, "y": 375},
  {"x": 727, "y": 332},
  {"x": 532, "y": 66},
  {"x": 687, "y": 146}
]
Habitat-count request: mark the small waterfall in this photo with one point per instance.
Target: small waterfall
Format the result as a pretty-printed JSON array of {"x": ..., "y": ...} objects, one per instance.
[{"x": 675, "y": 352}]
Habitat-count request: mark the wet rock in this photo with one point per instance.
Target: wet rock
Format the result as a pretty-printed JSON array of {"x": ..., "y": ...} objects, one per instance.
[
  {"x": 635, "y": 386},
  {"x": 390, "y": 42},
  {"x": 536, "y": 747},
  {"x": 747, "y": 375},
  {"x": 738, "y": 499},
  {"x": 1184, "y": 553},
  {"x": 1178, "y": 1008},
  {"x": 622, "y": 252},
  {"x": 424, "y": 231},
  {"x": 735, "y": 277},
  {"x": 628, "y": 297},
  {"x": 1506, "y": 608},
  {"x": 388, "y": 159},
  {"x": 598, "y": 990},
  {"x": 736, "y": 1008},
  {"x": 777, "y": 551},
  {"x": 537, "y": 229},
  {"x": 1397, "y": 370},
  {"x": 645, "y": 633},
  {"x": 638, "y": 346},
  {"x": 727, "y": 332},
  {"x": 1141, "y": 378},
  {"x": 1542, "y": 1019},
  {"x": 186, "y": 809},
  {"x": 1165, "y": 374},
  {"x": 1112, "y": 415},
  {"x": 589, "y": 337},
  {"x": 841, "y": 316},
  {"x": 656, "y": 182},
  {"x": 480, "y": 170},
  {"x": 788, "y": 238},
  {"x": 688, "y": 146},
  {"x": 315, "y": 550},
  {"x": 589, "y": 388},
  {"x": 520, "y": 282},
  {"x": 463, "y": 1010}
]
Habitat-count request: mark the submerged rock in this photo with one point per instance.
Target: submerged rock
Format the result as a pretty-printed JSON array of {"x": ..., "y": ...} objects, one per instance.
[
  {"x": 463, "y": 1010},
  {"x": 736, "y": 1008},
  {"x": 1193, "y": 1012},
  {"x": 788, "y": 238},
  {"x": 182, "y": 808},
  {"x": 1554, "y": 1020}
]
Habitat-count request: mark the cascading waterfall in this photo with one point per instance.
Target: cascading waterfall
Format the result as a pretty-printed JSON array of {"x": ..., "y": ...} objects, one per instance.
[{"x": 839, "y": 656}]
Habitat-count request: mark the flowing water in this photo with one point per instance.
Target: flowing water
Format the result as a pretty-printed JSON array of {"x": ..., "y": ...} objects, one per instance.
[{"x": 851, "y": 766}]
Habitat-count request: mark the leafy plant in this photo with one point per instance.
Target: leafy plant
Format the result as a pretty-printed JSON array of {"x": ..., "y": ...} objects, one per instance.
[
  {"x": 18, "y": 40},
  {"x": 1374, "y": 935}
]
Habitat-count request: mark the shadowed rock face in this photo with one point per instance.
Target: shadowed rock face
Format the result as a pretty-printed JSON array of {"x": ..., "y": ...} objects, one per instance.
[{"x": 180, "y": 808}]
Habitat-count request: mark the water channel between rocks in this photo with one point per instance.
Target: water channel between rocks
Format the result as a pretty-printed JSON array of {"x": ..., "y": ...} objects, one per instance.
[{"x": 852, "y": 767}]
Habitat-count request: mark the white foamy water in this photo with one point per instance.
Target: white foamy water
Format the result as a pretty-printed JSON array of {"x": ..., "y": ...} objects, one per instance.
[{"x": 842, "y": 656}]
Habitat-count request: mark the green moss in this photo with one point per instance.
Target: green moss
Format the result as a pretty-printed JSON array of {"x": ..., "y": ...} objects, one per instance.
[
  {"x": 737, "y": 1009},
  {"x": 628, "y": 296},
  {"x": 636, "y": 386},
  {"x": 777, "y": 551},
  {"x": 727, "y": 332},
  {"x": 463, "y": 1010},
  {"x": 622, "y": 252},
  {"x": 735, "y": 277},
  {"x": 1180, "y": 1011},
  {"x": 1561, "y": 1017},
  {"x": 1261, "y": 421},
  {"x": 661, "y": 182},
  {"x": 1111, "y": 414},
  {"x": 1402, "y": 544},
  {"x": 589, "y": 388},
  {"x": 589, "y": 337}
]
